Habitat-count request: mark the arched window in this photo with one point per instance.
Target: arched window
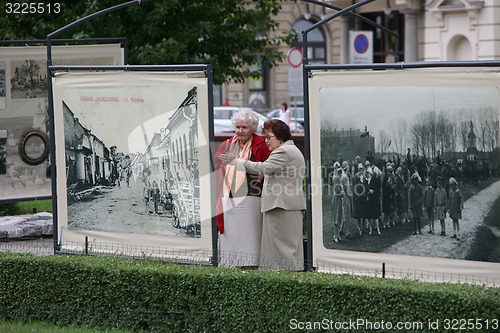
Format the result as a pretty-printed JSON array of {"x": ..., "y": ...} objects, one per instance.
[
  {"x": 316, "y": 44},
  {"x": 459, "y": 48}
]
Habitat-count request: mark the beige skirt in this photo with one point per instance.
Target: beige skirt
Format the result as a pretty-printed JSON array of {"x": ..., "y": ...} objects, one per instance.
[
  {"x": 239, "y": 245},
  {"x": 282, "y": 240}
]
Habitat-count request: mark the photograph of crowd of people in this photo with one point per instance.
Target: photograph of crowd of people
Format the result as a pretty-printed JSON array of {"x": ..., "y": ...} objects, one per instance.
[{"x": 401, "y": 163}]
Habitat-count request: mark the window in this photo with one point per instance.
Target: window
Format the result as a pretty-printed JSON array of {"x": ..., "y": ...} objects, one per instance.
[
  {"x": 384, "y": 44},
  {"x": 316, "y": 45}
]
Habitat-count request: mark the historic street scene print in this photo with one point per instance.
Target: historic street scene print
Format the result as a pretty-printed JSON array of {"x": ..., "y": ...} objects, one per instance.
[{"x": 141, "y": 182}]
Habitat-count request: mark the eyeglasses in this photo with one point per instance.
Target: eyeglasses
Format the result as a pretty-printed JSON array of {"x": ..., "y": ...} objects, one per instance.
[{"x": 268, "y": 137}]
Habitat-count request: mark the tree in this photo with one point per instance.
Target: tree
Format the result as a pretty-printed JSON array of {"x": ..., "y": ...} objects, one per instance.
[
  {"x": 29, "y": 72},
  {"x": 400, "y": 134},
  {"x": 463, "y": 128},
  {"x": 444, "y": 133},
  {"x": 384, "y": 141},
  {"x": 228, "y": 34}
]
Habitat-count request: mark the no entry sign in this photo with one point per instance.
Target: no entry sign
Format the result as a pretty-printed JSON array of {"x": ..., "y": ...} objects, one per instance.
[{"x": 294, "y": 57}]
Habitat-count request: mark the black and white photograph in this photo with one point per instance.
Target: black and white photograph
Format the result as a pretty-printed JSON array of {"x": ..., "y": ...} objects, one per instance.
[
  {"x": 28, "y": 79},
  {"x": 411, "y": 170},
  {"x": 23, "y": 110},
  {"x": 20, "y": 179},
  {"x": 131, "y": 160},
  {"x": 151, "y": 189}
]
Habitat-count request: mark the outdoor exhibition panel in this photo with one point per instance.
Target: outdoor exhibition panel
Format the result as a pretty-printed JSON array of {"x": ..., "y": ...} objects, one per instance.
[
  {"x": 24, "y": 121},
  {"x": 446, "y": 114},
  {"x": 132, "y": 162}
]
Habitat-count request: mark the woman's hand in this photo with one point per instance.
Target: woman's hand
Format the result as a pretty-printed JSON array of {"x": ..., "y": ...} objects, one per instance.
[{"x": 227, "y": 158}]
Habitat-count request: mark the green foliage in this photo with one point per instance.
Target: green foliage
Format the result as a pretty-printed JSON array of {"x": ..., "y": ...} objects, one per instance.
[
  {"x": 154, "y": 296},
  {"x": 27, "y": 207},
  {"x": 7, "y": 209},
  {"x": 40, "y": 327},
  {"x": 229, "y": 34}
]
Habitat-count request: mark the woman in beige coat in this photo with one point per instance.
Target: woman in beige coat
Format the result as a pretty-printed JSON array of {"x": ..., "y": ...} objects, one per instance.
[{"x": 282, "y": 200}]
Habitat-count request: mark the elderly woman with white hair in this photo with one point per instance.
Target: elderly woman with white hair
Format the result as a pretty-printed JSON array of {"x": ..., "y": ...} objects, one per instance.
[{"x": 239, "y": 218}]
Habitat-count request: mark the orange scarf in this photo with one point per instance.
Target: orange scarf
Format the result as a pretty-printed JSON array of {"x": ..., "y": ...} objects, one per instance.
[{"x": 231, "y": 173}]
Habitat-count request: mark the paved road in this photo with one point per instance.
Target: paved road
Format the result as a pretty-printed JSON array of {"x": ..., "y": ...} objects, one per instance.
[{"x": 114, "y": 209}]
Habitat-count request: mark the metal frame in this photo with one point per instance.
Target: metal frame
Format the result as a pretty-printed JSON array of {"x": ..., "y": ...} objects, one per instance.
[
  {"x": 122, "y": 40},
  {"x": 307, "y": 141},
  {"x": 373, "y": 66},
  {"x": 51, "y": 69}
]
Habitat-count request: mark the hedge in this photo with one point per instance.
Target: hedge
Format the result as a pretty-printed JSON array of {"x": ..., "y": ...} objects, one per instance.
[{"x": 154, "y": 296}]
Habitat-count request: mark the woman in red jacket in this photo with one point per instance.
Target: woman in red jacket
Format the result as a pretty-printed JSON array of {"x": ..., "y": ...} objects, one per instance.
[{"x": 239, "y": 219}]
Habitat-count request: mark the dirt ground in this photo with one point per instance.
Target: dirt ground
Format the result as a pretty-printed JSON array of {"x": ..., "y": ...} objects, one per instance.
[
  {"x": 475, "y": 210},
  {"x": 399, "y": 239}
]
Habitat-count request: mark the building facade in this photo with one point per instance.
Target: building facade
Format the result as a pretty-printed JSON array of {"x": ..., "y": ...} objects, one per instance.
[{"x": 428, "y": 30}]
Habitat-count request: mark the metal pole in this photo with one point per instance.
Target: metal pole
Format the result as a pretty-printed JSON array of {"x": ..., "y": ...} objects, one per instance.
[
  {"x": 53, "y": 170},
  {"x": 364, "y": 19},
  {"x": 307, "y": 141}
]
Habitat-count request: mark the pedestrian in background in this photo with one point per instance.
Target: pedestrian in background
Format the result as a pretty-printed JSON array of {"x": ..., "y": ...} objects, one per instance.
[
  {"x": 440, "y": 197},
  {"x": 388, "y": 197},
  {"x": 347, "y": 200},
  {"x": 415, "y": 203},
  {"x": 155, "y": 196},
  {"x": 429, "y": 204},
  {"x": 146, "y": 193},
  {"x": 359, "y": 189},
  {"x": 337, "y": 201},
  {"x": 373, "y": 206},
  {"x": 401, "y": 196},
  {"x": 285, "y": 114},
  {"x": 456, "y": 206}
]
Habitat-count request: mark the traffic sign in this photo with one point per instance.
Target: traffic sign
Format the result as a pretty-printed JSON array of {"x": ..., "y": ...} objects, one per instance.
[
  {"x": 361, "y": 43},
  {"x": 294, "y": 57},
  {"x": 361, "y": 47}
]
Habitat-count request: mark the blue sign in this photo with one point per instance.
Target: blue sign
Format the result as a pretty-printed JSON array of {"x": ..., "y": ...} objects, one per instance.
[{"x": 361, "y": 43}]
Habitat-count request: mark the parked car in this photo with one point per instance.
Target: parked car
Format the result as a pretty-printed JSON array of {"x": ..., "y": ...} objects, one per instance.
[
  {"x": 223, "y": 123},
  {"x": 296, "y": 111}
]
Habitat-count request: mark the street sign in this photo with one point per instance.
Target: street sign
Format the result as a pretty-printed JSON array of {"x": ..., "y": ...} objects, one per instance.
[
  {"x": 361, "y": 47},
  {"x": 361, "y": 43},
  {"x": 294, "y": 57}
]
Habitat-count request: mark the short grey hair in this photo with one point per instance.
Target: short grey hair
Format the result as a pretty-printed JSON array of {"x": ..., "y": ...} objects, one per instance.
[{"x": 246, "y": 117}]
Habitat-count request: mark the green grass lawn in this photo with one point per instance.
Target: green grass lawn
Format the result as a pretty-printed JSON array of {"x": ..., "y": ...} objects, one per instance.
[
  {"x": 26, "y": 207},
  {"x": 11, "y": 327}
]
